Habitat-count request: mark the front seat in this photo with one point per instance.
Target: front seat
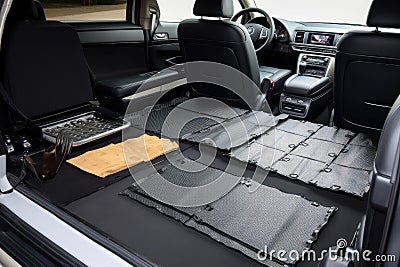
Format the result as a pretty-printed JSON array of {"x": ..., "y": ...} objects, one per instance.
[
  {"x": 367, "y": 80},
  {"x": 225, "y": 42}
]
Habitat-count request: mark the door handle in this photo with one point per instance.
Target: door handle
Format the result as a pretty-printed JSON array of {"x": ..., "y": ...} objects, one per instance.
[{"x": 161, "y": 36}]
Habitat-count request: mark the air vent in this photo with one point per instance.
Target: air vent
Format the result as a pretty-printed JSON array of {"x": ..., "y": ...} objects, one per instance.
[
  {"x": 299, "y": 37},
  {"x": 339, "y": 36}
]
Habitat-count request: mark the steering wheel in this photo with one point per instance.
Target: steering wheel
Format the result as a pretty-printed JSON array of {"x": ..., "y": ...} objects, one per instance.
[{"x": 261, "y": 36}]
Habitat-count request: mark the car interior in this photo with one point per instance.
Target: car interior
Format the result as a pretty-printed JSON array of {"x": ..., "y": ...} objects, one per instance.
[{"x": 325, "y": 142}]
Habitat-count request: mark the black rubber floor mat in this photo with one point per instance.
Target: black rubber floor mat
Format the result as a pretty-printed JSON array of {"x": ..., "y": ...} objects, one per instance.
[
  {"x": 173, "y": 122},
  {"x": 320, "y": 150},
  {"x": 334, "y": 134},
  {"x": 250, "y": 222},
  {"x": 179, "y": 214},
  {"x": 189, "y": 173},
  {"x": 257, "y": 154},
  {"x": 212, "y": 108},
  {"x": 237, "y": 131},
  {"x": 311, "y": 159},
  {"x": 266, "y": 218},
  {"x": 359, "y": 157},
  {"x": 280, "y": 140},
  {"x": 303, "y": 128},
  {"x": 341, "y": 178},
  {"x": 362, "y": 139},
  {"x": 333, "y": 176},
  {"x": 175, "y": 182},
  {"x": 296, "y": 167}
]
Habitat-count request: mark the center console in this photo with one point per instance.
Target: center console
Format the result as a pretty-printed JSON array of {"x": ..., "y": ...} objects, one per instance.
[{"x": 309, "y": 91}]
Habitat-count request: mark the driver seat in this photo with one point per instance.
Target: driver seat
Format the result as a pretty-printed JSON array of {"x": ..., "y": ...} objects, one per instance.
[{"x": 229, "y": 43}]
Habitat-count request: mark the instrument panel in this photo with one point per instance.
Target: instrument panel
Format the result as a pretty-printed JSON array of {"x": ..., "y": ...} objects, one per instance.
[{"x": 281, "y": 33}]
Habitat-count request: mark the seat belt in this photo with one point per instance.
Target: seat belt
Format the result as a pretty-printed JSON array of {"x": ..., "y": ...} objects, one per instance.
[{"x": 32, "y": 129}]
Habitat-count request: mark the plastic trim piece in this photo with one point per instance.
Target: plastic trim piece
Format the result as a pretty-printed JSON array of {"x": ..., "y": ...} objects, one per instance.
[{"x": 95, "y": 241}]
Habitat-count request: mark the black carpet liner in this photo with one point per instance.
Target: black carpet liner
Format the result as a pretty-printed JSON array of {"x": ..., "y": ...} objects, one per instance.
[
  {"x": 334, "y": 134},
  {"x": 180, "y": 117},
  {"x": 280, "y": 140},
  {"x": 319, "y": 150},
  {"x": 211, "y": 108},
  {"x": 303, "y": 128},
  {"x": 237, "y": 131},
  {"x": 261, "y": 139},
  {"x": 223, "y": 127},
  {"x": 327, "y": 157},
  {"x": 358, "y": 157},
  {"x": 257, "y": 154},
  {"x": 266, "y": 217},
  {"x": 246, "y": 221}
]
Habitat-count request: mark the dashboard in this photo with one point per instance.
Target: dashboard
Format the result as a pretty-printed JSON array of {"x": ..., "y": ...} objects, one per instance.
[{"x": 307, "y": 37}]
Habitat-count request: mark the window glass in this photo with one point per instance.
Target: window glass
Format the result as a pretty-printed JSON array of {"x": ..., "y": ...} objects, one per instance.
[
  {"x": 178, "y": 10},
  {"x": 85, "y": 10},
  {"x": 338, "y": 11}
]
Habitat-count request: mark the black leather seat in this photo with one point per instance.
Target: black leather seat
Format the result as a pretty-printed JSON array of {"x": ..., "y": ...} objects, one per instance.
[
  {"x": 367, "y": 75},
  {"x": 225, "y": 42},
  {"x": 45, "y": 70}
]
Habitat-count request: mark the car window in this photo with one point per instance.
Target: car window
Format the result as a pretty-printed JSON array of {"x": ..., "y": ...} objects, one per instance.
[
  {"x": 178, "y": 10},
  {"x": 85, "y": 10},
  {"x": 355, "y": 11}
]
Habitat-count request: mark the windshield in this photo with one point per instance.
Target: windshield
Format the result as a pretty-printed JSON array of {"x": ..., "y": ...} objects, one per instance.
[{"x": 333, "y": 11}]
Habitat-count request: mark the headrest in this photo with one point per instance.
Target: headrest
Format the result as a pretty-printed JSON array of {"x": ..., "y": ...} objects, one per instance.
[
  {"x": 213, "y": 8},
  {"x": 23, "y": 10},
  {"x": 40, "y": 10},
  {"x": 384, "y": 13}
]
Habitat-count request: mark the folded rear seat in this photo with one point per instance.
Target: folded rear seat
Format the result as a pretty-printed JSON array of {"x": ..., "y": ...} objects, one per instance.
[{"x": 45, "y": 71}]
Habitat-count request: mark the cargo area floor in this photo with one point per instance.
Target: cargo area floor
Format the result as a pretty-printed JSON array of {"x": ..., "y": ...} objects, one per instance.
[{"x": 167, "y": 242}]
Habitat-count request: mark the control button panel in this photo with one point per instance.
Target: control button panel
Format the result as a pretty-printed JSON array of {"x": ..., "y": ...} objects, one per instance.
[
  {"x": 294, "y": 106},
  {"x": 314, "y": 65}
]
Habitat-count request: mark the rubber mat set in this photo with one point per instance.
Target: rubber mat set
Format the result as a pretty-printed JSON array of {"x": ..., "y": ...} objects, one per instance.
[
  {"x": 254, "y": 223},
  {"x": 193, "y": 121},
  {"x": 327, "y": 157},
  {"x": 174, "y": 120}
]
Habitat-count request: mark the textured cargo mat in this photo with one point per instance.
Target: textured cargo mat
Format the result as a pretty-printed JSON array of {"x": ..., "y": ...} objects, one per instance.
[
  {"x": 327, "y": 157},
  {"x": 183, "y": 173},
  {"x": 171, "y": 121},
  {"x": 246, "y": 221},
  {"x": 266, "y": 218},
  {"x": 236, "y": 131},
  {"x": 182, "y": 116}
]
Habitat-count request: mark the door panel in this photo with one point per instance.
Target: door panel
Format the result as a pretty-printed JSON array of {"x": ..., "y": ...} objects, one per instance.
[
  {"x": 164, "y": 45},
  {"x": 113, "y": 49}
]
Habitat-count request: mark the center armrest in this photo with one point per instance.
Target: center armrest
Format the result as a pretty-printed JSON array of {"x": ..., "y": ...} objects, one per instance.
[{"x": 305, "y": 85}]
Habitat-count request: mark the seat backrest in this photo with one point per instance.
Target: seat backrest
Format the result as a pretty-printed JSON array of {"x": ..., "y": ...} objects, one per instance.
[
  {"x": 367, "y": 74},
  {"x": 220, "y": 41},
  {"x": 45, "y": 69},
  {"x": 375, "y": 231}
]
